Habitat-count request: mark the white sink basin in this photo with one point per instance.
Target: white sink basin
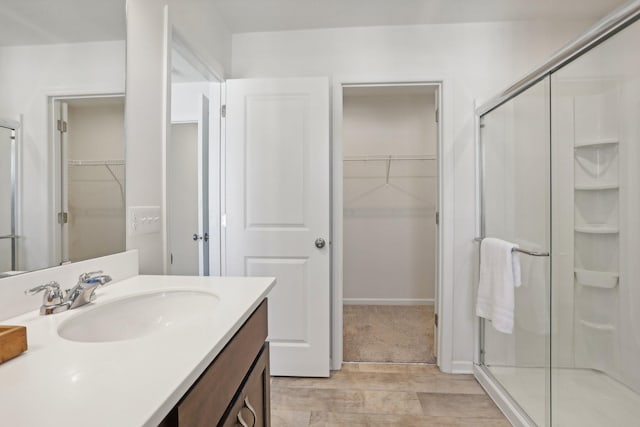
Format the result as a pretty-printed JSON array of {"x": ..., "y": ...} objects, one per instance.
[{"x": 137, "y": 316}]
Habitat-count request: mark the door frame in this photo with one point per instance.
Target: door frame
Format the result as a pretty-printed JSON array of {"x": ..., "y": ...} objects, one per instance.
[
  {"x": 445, "y": 232},
  {"x": 173, "y": 39},
  {"x": 55, "y": 161}
]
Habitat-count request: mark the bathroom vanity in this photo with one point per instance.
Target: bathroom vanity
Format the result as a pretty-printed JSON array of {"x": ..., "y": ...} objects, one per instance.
[
  {"x": 150, "y": 350},
  {"x": 235, "y": 387}
]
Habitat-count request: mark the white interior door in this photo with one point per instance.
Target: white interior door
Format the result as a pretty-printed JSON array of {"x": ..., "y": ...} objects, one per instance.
[
  {"x": 277, "y": 206},
  {"x": 61, "y": 123},
  {"x": 182, "y": 206}
]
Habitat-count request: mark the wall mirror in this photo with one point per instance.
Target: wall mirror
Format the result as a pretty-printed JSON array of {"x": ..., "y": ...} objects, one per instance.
[{"x": 62, "y": 167}]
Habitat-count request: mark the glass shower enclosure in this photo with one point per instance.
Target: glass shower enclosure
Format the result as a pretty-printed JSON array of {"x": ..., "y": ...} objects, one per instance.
[
  {"x": 559, "y": 176},
  {"x": 8, "y": 194}
]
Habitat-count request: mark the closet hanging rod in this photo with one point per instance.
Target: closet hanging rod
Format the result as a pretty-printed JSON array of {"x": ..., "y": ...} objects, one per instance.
[
  {"x": 96, "y": 162},
  {"x": 386, "y": 158},
  {"x": 523, "y": 251}
]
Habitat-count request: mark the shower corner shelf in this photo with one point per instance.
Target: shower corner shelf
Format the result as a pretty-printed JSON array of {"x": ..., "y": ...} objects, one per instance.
[
  {"x": 597, "y": 229},
  {"x": 597, "y": 143},
  {"x": 597, "y": 279}
]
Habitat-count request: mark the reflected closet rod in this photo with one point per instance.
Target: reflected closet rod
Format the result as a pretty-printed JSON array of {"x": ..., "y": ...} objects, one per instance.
[
  {"x": 523, "y": 251},
  {"x": 386, "y": 158}
]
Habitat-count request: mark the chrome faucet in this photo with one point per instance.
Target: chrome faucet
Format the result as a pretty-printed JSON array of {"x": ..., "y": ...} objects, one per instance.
[
  {"x": 56, "y": 300},
  {"x": 84, "y": 291},
  {"x": 53, "y": 299}
]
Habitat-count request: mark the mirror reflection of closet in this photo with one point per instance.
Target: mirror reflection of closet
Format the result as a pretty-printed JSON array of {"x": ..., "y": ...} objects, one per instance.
[{"x": 92, "y": 199}]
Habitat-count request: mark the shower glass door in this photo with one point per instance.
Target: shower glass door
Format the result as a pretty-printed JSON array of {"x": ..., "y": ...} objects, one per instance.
[
  {"x": 596, "y": 186},
  {"x": 7, "y": 199},
  {"x": 516, "y": 198}
]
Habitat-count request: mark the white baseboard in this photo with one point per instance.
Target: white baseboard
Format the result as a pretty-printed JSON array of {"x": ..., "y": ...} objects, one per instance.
[
  {"x": 387, "y": 301},
  {"x": 461, "y": 367}
]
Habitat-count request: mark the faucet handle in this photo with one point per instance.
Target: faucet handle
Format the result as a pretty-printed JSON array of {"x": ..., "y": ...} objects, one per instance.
[
  {"x": 53, "y": 293},
  {"x": 88, "y": 276}
]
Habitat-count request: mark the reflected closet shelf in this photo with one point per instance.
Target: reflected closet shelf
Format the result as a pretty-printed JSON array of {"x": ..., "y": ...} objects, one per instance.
[
  {"x": 387, "y": 158},
  {"x": 602, "y": 327},
  {"x": 597, "y": 279},
  {"x": 597, "y": 143},
  {"x": 595, "y": 187},
  {"x": 96, "y": 162},
  {"x": 597, "y": 229}
]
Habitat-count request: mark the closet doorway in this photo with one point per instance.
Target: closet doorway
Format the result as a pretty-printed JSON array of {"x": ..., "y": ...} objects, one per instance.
[
  {"x": 390, "y": 183},
  {"x": 89, "y": 169}
]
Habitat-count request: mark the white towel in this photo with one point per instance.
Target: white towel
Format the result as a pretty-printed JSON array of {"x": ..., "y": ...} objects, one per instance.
[{"x": 499, "y": 276}]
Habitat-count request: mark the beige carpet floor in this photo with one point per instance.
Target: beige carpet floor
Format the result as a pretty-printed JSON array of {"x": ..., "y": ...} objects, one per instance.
[{"x": 388, "y": 333}]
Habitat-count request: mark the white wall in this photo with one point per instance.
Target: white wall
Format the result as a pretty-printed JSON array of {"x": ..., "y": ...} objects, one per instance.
[
  {"x": 202, "y": 27},
  {"x": 146, "y": 122},
  {"x": 27, "y": 76},
  {"x": 476, "y": 60},
  {"x": 389, "y": 230}
]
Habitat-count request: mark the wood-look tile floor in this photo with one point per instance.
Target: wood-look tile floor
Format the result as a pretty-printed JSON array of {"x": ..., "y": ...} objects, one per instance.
[
  {"x": 388, "y": 333},
  {"x": 383, "y": 395}
]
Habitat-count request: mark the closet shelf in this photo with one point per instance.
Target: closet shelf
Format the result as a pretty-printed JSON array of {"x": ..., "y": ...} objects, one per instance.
[
  {"x": 96, "y": 162},
  {"x": 597, "y": 279},
  {"x": 107, "y": 164},
  {"x": 597, "y": 229},
  {"x": 386, "y": 158},
  {"x": 597, "y": 143},
  {"x": 596, "y": 187},
  {"x": 603, "y": 327}
]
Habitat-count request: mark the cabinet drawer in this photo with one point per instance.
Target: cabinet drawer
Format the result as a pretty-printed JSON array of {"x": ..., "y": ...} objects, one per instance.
[
  {"x": 251, "y": 407},
  {"x": 206, "y": 402}
]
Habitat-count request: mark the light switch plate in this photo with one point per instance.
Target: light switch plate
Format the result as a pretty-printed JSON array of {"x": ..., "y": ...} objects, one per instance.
[{"x": 144, "y": 220}]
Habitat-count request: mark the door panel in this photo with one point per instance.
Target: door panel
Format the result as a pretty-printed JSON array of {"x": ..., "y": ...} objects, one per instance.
[
  {"x": 277, "y": 204},
  {"x": 182, "y": 186},
  {"x": 203, "y": 185},
  {"x": 290, "y": 324}
]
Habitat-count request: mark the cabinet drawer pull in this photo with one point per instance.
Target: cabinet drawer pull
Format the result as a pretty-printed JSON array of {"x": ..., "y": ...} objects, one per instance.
[
  {"x": 241, "y": 420},
  {"x": 250, "y": 408},
  {"x": 247, "y": 405}
]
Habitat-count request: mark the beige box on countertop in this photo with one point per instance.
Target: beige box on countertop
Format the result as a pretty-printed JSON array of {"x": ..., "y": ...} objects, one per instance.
[{"x": 13, "y": 341}]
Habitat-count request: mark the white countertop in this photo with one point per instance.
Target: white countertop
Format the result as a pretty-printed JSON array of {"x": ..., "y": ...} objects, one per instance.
[{"x": 122, "y": 383}]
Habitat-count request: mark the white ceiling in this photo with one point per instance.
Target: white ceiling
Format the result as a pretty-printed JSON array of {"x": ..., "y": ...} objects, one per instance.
[
  {"x": 281, "y": 15},
  {"x": 59, "y": 21},
  {"x": 24, "y": 22}
]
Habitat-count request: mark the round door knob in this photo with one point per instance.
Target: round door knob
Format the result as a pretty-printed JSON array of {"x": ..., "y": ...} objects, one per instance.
[
  {"x": 320, "y": 243},
  {"x": 196, "y": 237}
]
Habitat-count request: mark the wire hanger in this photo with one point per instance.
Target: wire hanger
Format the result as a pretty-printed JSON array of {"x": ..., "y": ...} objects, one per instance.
[{"x": 386, "y": 184}]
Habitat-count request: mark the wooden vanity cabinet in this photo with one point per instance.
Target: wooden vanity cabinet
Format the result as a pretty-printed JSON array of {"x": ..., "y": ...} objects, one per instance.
[
  {"x": 252, "y": 403},
  {"x": 235, "y": 386}
]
